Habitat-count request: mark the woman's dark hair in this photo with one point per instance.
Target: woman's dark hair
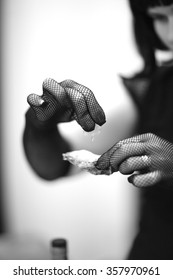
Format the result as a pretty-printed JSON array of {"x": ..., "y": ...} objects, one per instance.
[{"x": 146, "y": 38}]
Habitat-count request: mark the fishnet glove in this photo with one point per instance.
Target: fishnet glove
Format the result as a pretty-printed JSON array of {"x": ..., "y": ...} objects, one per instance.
[
  {"x": 148, "y": 156},
  {"x": 67, "y": 101}
]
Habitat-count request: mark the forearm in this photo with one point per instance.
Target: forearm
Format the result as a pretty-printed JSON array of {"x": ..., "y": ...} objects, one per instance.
[{"x": 43, "y": 146}]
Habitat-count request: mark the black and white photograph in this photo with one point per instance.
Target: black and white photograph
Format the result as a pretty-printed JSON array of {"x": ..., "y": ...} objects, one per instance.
[{"x": 86, "y": 138}]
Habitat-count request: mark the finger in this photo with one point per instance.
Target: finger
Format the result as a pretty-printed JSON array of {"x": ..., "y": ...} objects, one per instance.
[
  {"x": 44, "y": 108},
  {"x": 145, "y": 180},
  {"x": 104, "y": 161},
  {"x": 125, "y": 151},
  {"x": 95, "y": 110},
  {"x": 51, "y": 87},
  {"x": 137, "y": 138},
  {"x": 69, "y": 83},
  {"x": 80, "y": 109},
  {"x": 134, "y": 164}
]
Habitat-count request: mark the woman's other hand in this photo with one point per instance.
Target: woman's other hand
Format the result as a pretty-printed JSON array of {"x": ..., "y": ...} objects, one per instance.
[{"x": 67, "y": 101}]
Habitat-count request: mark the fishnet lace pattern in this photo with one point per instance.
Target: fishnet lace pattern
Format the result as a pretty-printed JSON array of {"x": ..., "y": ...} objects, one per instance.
[
  {"x": 67, "y": 101},
  {"x": 147, "y": 157}
]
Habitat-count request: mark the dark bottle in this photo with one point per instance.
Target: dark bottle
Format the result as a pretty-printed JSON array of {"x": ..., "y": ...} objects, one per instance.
[{"x": 59, "y": 249}]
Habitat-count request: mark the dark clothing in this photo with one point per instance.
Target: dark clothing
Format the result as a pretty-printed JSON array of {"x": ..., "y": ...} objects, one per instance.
[
  {"x": 155, "y": 236},
  {"x": 156, "y": 113}
]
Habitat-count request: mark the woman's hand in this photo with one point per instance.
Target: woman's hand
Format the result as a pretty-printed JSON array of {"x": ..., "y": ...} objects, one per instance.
[
  {"x": 148, "y": 156},
  {"x": 67, "y": 101}
]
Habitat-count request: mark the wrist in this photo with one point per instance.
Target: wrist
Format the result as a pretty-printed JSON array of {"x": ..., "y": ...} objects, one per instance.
[{"x": 32, "y": 121}]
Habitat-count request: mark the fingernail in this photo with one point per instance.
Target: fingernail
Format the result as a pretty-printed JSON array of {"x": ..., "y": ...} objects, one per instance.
[{"x": 130, "y": 180}]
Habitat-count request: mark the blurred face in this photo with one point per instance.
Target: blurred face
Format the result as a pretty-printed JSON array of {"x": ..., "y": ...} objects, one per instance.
[{"x": 163, "y": 23}]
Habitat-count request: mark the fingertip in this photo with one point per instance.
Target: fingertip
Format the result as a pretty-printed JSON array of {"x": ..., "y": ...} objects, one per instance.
[
  {"x": 88, "y": 127},
  {"x": 51, "y": 85},
  {"x": 100, "y": 165},
  {"x": 131, "y": 180},
  {"x": 46, "y": 81},
  {"x": 137, "y": 181},
  {"x": 35, "y": 100},
  {"x": 99, "y": 117},
  {"x": 102, "y": 120}
]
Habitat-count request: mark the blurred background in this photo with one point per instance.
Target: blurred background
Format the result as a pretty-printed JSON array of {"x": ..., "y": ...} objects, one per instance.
[{"x": 91, "y": 42}]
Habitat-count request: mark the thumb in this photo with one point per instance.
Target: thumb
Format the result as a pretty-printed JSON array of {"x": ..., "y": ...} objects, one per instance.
[{"x": 37, "y": 104}]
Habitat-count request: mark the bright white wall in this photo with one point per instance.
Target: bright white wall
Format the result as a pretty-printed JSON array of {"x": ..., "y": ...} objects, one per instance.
[{"x": 89, "y": 41}]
